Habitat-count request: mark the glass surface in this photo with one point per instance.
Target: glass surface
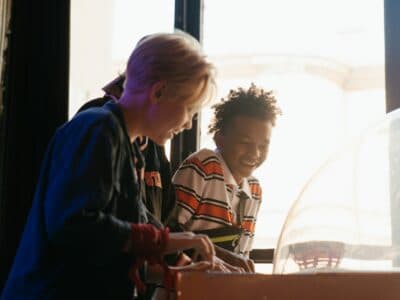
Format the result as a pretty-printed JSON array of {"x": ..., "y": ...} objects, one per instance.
[
  {"x": 346, "y": 217},
  {"x": 325, "y": 62},
  {"x": 103, "y": 34}
]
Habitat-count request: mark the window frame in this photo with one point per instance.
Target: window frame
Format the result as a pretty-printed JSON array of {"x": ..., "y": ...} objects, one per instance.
[{"x": 189, "y": 18}]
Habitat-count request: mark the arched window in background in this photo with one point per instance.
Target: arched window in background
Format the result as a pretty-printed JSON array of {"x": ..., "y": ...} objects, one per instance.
[{"x": 325, "y": 62}]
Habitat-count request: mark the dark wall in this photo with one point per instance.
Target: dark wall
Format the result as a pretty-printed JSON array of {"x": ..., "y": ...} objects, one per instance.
[{"x": 35, "y": 103}]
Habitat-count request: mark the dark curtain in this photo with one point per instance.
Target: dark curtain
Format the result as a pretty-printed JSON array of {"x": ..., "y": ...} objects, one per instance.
[{"x": 35, "y": 102}]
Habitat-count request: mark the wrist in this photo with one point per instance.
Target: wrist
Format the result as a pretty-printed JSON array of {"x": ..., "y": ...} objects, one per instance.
[{"x": 147, "y": 241}]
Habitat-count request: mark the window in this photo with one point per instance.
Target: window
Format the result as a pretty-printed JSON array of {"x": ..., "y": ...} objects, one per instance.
[
  {"x": 325, "y": 62},
  {"x": 102, "y": 38}
]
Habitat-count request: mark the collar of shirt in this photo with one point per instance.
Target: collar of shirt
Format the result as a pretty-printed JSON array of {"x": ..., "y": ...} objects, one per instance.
[{"x": 228, "y": 177}]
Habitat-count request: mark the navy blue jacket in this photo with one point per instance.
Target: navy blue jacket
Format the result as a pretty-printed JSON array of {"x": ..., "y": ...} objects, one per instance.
[{"x": 87, "y": 194}]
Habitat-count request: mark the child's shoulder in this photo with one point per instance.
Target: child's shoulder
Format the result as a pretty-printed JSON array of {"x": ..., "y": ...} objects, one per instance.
[{"x": 203, "y": 154}]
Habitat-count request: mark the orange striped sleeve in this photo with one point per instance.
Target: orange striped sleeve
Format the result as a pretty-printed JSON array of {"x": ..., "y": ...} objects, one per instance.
[
  {"x": 187, "y": 199},
  {"x": 249, "y": 226},
  {"x": 211, "y": 167},
  {"x": 255, "y": 189}
]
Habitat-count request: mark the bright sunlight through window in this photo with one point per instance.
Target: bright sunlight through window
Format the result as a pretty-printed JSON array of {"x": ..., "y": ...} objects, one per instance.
[{"x": 325, "y": 62}]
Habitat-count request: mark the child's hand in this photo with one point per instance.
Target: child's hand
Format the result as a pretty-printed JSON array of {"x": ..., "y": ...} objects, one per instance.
[{"x": 202, "y": 245}]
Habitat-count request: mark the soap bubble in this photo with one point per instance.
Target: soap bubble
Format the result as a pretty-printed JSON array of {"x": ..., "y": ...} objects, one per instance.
[{"x": 347, "y": 217}]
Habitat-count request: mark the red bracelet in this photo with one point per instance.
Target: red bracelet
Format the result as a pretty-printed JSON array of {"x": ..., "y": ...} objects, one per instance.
[
  {"x": 147, "y": 241},
  {"x": 147, "y": 244}
]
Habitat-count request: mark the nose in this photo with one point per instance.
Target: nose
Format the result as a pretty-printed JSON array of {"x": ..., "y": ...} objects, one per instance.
[{"x": 254, "y": 152}]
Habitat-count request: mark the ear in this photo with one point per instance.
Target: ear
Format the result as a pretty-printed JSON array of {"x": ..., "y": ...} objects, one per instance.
[
  {"x": 157, "y": 90},
  {"x": 219, "y": 140}
]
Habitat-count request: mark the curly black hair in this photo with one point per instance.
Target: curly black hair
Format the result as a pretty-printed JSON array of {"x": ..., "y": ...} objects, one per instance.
[{"x": 254, "y": 102}]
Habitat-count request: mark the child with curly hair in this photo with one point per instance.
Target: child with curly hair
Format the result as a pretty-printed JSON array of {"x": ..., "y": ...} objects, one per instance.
[{"x": 215, "y": 188}]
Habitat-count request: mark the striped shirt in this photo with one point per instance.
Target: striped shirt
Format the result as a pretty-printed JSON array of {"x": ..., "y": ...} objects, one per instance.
[{"x": 208, "y": 197}]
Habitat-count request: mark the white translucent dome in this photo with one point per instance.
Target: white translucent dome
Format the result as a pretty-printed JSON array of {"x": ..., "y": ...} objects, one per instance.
[{"x": 347, "y": 218}]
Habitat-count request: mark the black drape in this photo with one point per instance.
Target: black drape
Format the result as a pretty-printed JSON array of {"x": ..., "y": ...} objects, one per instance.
[{"x": 35, "y": 103}]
